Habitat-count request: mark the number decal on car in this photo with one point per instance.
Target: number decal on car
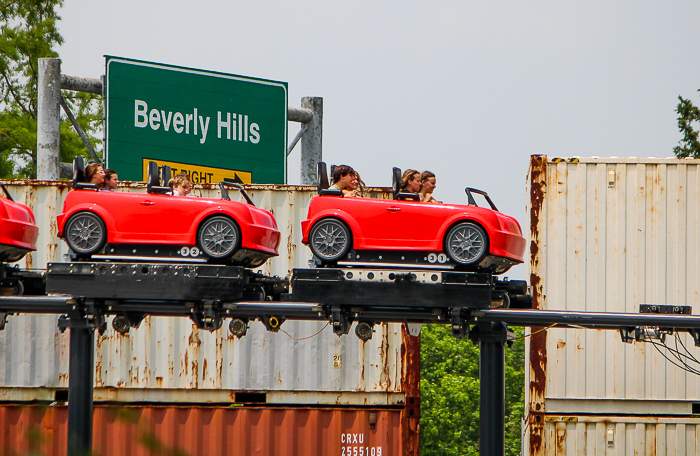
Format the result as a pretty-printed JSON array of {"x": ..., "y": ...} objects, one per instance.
[{"x": 189, "y": 252}]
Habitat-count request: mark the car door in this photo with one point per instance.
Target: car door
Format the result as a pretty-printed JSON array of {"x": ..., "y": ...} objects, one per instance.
[
  {"x": 397, "y": 224},
  {"x": 385, "y": 223},
  {"x": 135, "y": 216}
]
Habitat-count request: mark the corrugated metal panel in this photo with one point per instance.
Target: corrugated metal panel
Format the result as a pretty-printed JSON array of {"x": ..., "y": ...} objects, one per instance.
[
  {"x": 173, "y": 353},
  {"x": 608, "y": 234},
  {"x": 211, "y": 431},
  {"x": 622, "y": 436}
]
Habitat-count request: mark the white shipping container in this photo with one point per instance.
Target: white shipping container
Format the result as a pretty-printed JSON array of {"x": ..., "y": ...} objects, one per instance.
[
  {"x": 622, "y": 436},
  {"x": 609, "y": 234},
  {"x": 166, "y": 357}
]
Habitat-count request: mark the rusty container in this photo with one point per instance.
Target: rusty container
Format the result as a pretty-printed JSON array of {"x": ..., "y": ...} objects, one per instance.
[
  {"x": 213, "y": 430},
  {"x": 606, "y": 235}
]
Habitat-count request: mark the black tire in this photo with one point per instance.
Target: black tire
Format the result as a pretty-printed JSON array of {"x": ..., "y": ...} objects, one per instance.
[
  {"x": 330, "y": 240},
  {"x": 466, "y": 244},
  {"x": 219, "y": 237},
  {"x": 85, "y": 233}
]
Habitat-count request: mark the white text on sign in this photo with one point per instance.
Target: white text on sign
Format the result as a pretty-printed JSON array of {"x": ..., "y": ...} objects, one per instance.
[{"x": 235, "y": 127}]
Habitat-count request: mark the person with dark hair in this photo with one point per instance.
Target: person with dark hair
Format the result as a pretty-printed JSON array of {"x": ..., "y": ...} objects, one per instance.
[
  {"x": 95, "y": 174},
  {"x": 111, "y": 180},
  {"x": 342, "y": 178},
  {"x": 427, "y": 186},
  {"x": 410, "y": 181},
  {"x": 356, "y": 187}
]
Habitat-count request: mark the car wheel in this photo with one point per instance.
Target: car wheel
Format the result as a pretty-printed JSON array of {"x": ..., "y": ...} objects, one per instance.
[
  {"x": 329, "y": 240},
  {"x": 85, "y": 233},
  {"x": 466, "y": 244},
  {"x": 219, "y": 237}
]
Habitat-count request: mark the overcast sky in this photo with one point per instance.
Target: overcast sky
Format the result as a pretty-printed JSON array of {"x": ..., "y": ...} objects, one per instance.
[{"x": 467, "y": 89}]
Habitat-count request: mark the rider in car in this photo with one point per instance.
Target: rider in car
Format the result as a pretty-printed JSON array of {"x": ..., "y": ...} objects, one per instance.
[
  {"x": 427, "y": 186},
  {"x": 356, "y": 187},
  {"x": 410, "y": 181},
  {"x": 95, "y": 174},
  {"x": 180, "y": 185},
  {"x": 343, "y": 177},
  {"x": 111, "y": 180}
]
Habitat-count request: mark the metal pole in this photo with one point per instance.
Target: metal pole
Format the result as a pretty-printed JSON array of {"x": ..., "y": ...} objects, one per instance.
[
  {"x": 80, "y": 84},
  {"x": 299, "y": 114},
  {"x": 48, "y": 134},
  {"x": 80, "y": 387},
  {"x": 311, "y": 142},
  {"x": 79, "y": 130},
  {"x": 492, "y": 383}
]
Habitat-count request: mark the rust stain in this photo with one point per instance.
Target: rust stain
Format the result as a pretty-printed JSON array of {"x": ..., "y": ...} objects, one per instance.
[
  {"x": 363, "y": 347},
  {"x": 410, "y": 357},
  {"x": 561, "y": 344},
  {"x": 99, "y": 381},
  {"x": 195, "y": 374},
  {"x": 159, "y": 382},
  {"x": 194, "y": 344},
  {"x": 384, "y": 379},
  {"x": 410, "y": 385},
  {"x": 291, "y": 246},
  {"x": 561, "y": 438},
  {"x": 185, "y": 369},
  {"x": 219, "y": 359},
  {"x": 171, "y": 367},
  {"x": 146, "y": 374},
  {"x": 538, "y": 370},
  {"x": 194, "y": 341},
  {"x": 204, "y": 368},
  {"x": 538, "y": 341}
]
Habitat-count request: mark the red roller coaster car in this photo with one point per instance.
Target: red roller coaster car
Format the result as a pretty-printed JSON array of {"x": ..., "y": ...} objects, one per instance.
[
  {"x": 18, "y": 231},
  {"x": 123, "y": 225},
  {"x": 405, "y": 232}
]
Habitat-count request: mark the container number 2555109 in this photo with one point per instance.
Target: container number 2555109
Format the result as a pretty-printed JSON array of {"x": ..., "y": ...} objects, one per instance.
[{"x": 353, "y": 445}]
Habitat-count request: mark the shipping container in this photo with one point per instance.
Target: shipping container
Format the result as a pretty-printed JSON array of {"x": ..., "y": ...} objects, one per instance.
[
  {"x": 609, "y": 234},
  {"x": 622, "y": 435},
  {"x": 170, "y": 360},
  {"x": 214, "y": 431}
]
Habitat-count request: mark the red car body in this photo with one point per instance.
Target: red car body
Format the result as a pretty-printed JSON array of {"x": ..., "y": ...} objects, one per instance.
[
  {"x": 165, "y": 220},
  {"x": 18, "y": 230},
  {"x": 417, "y": 229}
]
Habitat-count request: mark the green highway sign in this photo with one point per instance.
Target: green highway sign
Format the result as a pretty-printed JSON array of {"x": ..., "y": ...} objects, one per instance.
[{"x": 196, "y": 118}]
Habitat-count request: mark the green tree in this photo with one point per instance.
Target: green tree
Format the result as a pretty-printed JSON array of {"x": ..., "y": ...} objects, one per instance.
[
  {"x": 28, "y": 31},
  {"x": 688, "y": 115},
  {"x": 449, "y": 385}
]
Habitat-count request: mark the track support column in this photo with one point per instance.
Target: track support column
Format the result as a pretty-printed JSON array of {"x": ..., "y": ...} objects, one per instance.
[
  {"x": 492, "y": 338},
  {"x": 81, "y": 376},
  {"x": 80, "y": 389}
]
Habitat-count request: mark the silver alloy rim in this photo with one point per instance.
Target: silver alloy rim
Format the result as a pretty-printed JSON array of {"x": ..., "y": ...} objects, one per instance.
[
  {"x": 85, "y": 233},
  {"x": 466, "y": 244},
  {"x": 330, "y": 239},
  {"x": 218, "y": 238}
]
